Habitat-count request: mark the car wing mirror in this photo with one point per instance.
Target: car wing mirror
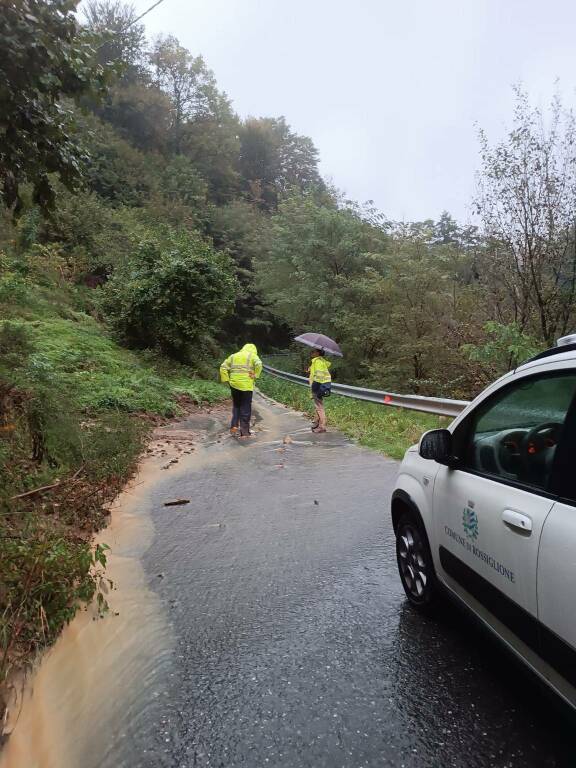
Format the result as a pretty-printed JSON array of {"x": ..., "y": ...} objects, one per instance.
[{"x": 437, "y": 445}]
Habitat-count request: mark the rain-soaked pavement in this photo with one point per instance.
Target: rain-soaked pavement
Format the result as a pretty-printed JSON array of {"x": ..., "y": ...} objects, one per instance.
[{"x": 294, "y": 645}]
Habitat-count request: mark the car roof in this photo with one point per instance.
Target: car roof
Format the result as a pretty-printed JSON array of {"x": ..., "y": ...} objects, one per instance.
[
  {"x": 555, "y": 355},
  {"x": 558, "y": 358}
]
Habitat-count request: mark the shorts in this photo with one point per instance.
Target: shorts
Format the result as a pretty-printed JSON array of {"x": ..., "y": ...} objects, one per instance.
[{"x": 316, "y": 392}]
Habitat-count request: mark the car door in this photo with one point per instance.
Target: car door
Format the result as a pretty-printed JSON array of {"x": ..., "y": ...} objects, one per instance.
[
  {"x": 557, "y": 569},
  {"x": 490, "y": 508}
]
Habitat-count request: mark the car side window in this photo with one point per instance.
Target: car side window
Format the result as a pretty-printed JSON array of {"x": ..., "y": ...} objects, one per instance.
[{"x": 513, "y": 435}]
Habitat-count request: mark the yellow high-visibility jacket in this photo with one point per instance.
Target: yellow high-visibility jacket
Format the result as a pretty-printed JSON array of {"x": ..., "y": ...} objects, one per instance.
[
  {"x": 241, "y": 368},
  {"x": 319, "y": 371}
]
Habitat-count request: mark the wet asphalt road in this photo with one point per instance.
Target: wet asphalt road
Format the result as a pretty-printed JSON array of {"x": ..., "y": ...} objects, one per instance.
[{"x": 294, "y": 645}]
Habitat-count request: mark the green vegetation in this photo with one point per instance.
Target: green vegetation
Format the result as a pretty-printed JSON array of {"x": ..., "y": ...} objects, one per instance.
[
  {"x": 171, "y": 292},
  {"x": 44, "y": 61},
  {"x": 75, "y": 408},
  {"x": 46, "y": 574},
  {"x": 409, "y": 305},
  {"x": 389, "y": 430}
]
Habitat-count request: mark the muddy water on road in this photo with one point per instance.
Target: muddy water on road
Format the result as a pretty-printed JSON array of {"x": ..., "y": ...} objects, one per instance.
[{"x": 102, "y": 685}]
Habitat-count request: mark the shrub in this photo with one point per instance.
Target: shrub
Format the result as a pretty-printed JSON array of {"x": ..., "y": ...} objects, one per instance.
[
  {"x": 15, "y": 345},
  {"x": 13, "y": 288},
  {"x": 171, "y": 294},
  {"x": 505, "y": 347},
  {"x": 46, "y": 574}
]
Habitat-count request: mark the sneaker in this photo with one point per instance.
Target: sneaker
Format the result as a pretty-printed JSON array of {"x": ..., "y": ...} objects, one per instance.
[{"x": 234, "y": 431}]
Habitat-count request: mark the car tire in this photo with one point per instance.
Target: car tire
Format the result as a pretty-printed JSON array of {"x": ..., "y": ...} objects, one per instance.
[{"x": 415, "y": 564}]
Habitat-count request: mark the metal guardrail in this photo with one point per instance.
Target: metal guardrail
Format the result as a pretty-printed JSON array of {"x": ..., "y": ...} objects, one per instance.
[{"x": 437, "y": 405}]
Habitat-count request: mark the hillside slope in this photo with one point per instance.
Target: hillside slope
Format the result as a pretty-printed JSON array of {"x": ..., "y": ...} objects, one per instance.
[{"x": 75, "y": 409}]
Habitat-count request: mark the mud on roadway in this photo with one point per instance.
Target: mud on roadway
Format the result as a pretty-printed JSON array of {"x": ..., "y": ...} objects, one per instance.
[{"x": 263, "y": 624}]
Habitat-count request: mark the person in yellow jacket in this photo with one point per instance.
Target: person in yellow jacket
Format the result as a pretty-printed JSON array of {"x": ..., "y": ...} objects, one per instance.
[
  {"x": 319, "y": 377},
  {"x": 240, "y": 370}
]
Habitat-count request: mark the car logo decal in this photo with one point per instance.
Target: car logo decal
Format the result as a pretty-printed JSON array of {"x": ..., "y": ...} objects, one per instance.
[{"x": 470, "y": 523}]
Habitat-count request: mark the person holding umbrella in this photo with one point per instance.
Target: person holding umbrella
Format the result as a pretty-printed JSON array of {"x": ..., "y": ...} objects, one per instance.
[
  {"x": 320, "y": 380},
  {"x": 319, "y": 373}
]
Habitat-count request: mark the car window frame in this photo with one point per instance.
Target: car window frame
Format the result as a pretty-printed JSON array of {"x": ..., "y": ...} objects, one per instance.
[
  {"x": 559, "y": 487},
  {"x": 562, "y": 475}
]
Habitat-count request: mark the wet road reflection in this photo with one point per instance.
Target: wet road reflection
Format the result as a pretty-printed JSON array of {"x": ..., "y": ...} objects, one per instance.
[{"x": 294, "y": 644}]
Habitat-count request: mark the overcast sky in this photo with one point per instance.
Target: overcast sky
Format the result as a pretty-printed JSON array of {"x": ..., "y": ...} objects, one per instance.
[{"x": 390, "y": 92}]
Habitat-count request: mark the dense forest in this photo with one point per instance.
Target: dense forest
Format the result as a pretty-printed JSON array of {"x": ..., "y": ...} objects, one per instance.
[{"x": 146, "y": 228}]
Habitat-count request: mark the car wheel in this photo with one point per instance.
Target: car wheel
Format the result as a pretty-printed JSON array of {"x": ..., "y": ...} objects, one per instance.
[{"x": 415, "y": 563}]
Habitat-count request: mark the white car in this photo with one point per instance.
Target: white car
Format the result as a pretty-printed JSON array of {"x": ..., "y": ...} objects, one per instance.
[{"x": 486, "y": 511}]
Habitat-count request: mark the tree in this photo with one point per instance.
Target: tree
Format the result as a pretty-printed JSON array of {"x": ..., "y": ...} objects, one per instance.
[
  {"x": 117, "y": 172},
  {"x": 312, "y": 250},
  {"x": 140, "y": 113},
  {"x": 260, "y": 161},
  {"x": 211, "y": 142},
  {"x": 139, "y": 110},
  {"x": 172, "y": 293},
  {"x": 311, "y": 256},
  {"x": 424, "y": 310},
  {"x": 275, "y": 160},
  {"x": 504, "y": 347},
  {"x": 203, "y": 125},
  {"x": 119, "y": 38},
  {"x": 527, "y": 201},
  {"x": 298, "y": 161},
  {"x": 187, "y": 81},
  {"x": 46, "y": 57},
  {"x": 181, "y": 183},
  {"x": 240, "y": 229},
  {"x": 447, "y": 231}
]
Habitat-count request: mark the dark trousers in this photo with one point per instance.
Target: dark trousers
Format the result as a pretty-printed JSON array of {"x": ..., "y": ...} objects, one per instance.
[{"x": 241, "y": 410}]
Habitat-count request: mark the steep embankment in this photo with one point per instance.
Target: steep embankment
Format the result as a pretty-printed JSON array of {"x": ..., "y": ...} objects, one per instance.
[{"x": 75, "y": 409}]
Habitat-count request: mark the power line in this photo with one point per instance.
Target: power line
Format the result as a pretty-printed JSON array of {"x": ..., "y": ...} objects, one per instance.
[
  {"x": 121, "y": 31},
  {"x": 143, "y": 14}
]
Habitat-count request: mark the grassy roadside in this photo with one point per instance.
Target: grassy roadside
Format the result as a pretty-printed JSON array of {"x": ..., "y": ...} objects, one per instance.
[
  {"x": 389, "y": 430},
  {"x": 75, "y": 410}
]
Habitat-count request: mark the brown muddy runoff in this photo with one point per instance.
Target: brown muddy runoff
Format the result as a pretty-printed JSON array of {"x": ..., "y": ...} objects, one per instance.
[{"x": 105, "y": 672}]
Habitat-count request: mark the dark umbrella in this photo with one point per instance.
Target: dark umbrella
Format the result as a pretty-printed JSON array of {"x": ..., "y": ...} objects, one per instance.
[{"x": 319, "y": 341}]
